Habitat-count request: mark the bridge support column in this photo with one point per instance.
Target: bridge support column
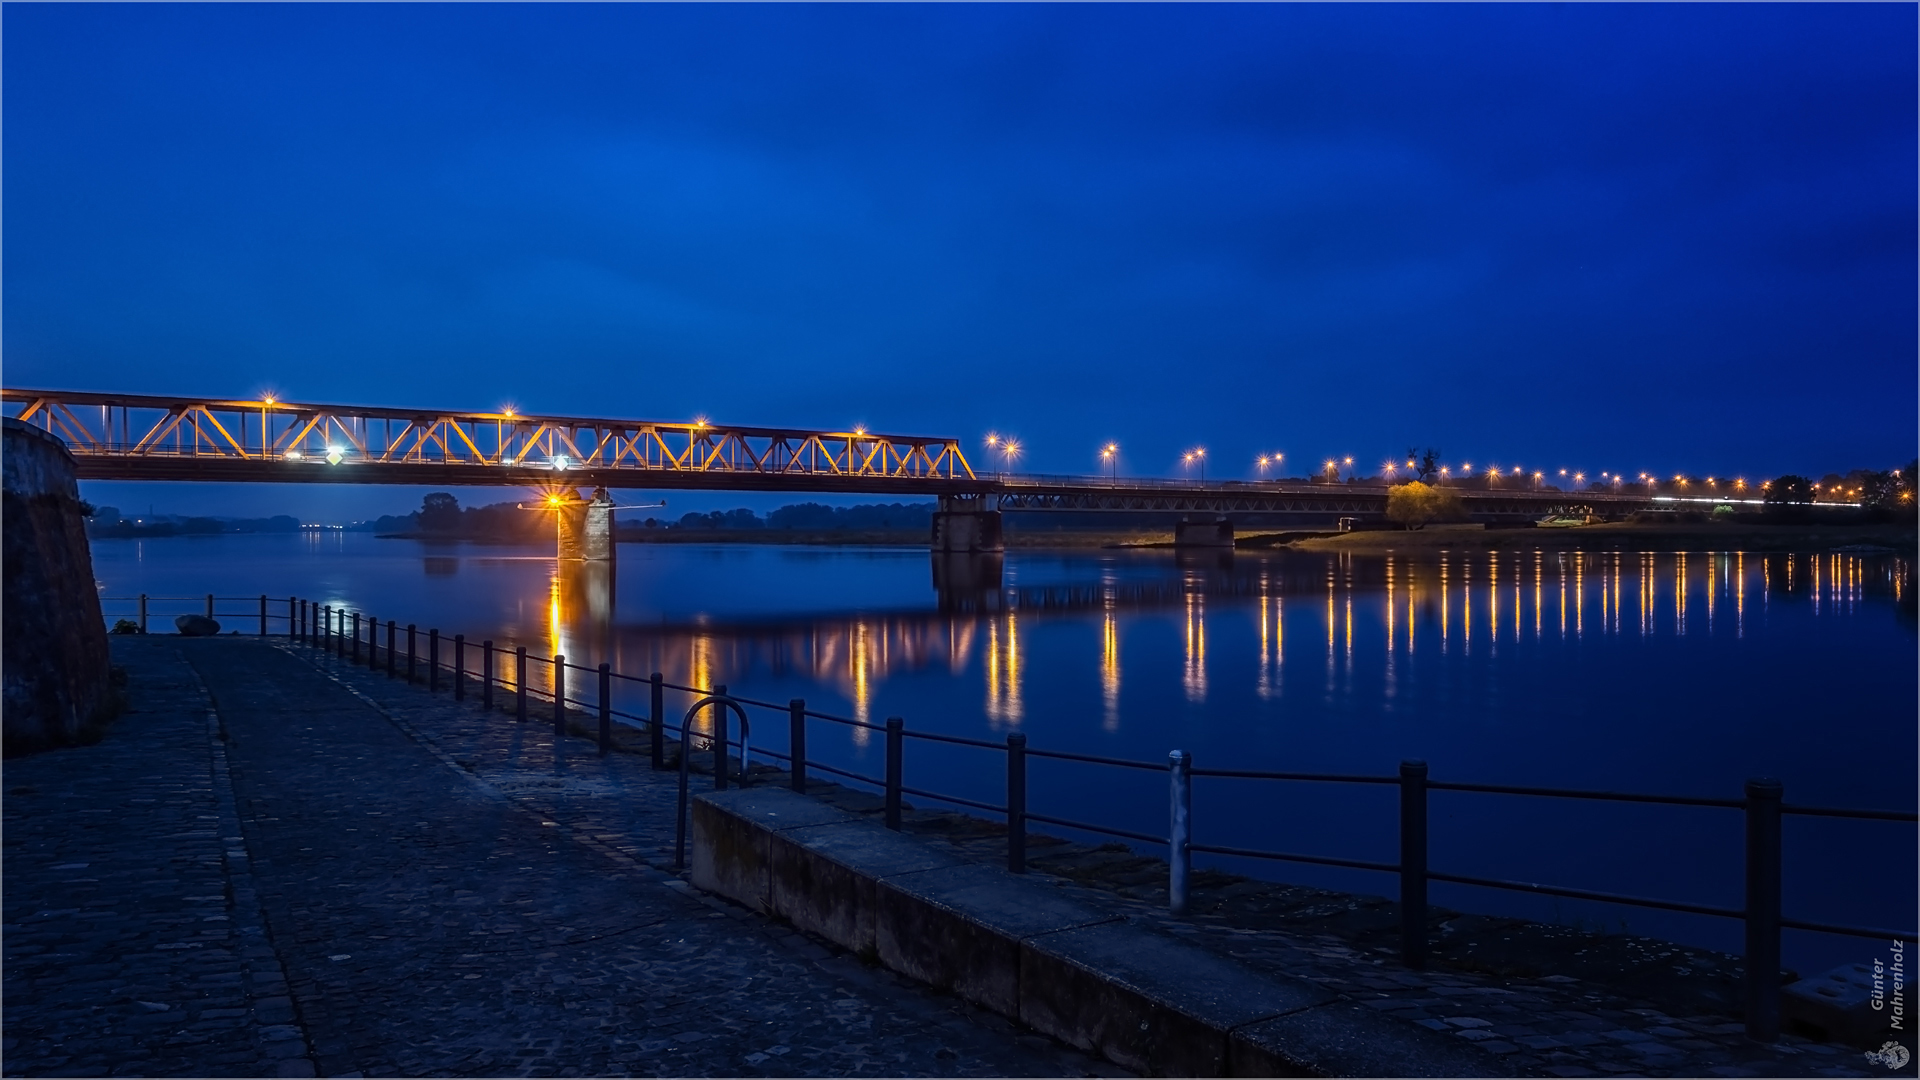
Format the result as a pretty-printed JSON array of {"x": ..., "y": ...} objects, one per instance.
[
  {"x": 964, "y": 526},
  {"x": 1203, "y": 532},
  {"x": 586, "y": 528}
]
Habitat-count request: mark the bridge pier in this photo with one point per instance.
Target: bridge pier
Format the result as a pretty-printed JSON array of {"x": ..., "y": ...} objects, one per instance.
[
  {"x": 965, "y": 526},
  {"x": 1205, "y": 531},
  {"x": 586, "y": 527}
]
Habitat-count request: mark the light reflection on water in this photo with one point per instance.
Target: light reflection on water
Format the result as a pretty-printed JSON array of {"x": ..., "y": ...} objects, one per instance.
[{"x": 1667, "y": 673}]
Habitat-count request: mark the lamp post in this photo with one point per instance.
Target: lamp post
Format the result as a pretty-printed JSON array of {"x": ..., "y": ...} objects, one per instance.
[{"x": 1110, "y": 454}]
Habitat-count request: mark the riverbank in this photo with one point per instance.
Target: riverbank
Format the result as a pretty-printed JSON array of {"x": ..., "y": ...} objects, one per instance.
[{"x": 1621, "y": 536}]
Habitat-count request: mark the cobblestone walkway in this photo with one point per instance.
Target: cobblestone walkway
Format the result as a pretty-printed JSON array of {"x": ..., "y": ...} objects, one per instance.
[{"x": 332, "y": 872}]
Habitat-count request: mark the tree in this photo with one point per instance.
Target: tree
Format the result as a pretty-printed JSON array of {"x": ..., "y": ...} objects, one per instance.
[
  {"x": 1413, "y": 504},
  {"x": 440, "y": 512},
  {"x": 1789, "y": 490},
  {"x": 1426, "y": 463}
]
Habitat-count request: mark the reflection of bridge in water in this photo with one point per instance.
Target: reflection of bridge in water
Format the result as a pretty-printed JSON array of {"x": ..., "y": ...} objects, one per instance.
[{"x": 1464, "y": 602}]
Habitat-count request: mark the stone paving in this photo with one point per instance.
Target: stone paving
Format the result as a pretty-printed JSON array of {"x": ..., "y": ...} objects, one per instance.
[{"x": 328, "y": 872}]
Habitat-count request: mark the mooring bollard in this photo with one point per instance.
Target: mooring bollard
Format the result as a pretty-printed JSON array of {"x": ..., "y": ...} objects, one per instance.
[
  {"x": 459, "y": 667},
  {"x": 896, "y": 749},
  {"x": 559, "y": 697},
  {"x": 797, "y": 744},
  {"x": 657, "y": 712},
  {"x": 356, "y": 637},
  {"x": 1180, "y": 833},
  {"x": 1016, "y": 803},
  {"x": 143, "y": 613},
  {"x": 433, "y": 661},
  {"x": 1413, "y": 863},
  {"x": 606, "y": 708},
  {"x": 1763, "y": 909},
  {"x": 486, "y": 674},
  {"x": 520, "y": 683},
  {"x": 263, "y": 614}
]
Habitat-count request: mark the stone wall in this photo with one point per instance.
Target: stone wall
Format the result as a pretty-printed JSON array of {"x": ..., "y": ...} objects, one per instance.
[{"x": 57, "y": 681}]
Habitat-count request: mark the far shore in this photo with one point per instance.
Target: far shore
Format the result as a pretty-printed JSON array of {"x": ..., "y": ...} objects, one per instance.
[
  {"x": 1893, "y": 537},
  {"x": 1623, "y": 536}
]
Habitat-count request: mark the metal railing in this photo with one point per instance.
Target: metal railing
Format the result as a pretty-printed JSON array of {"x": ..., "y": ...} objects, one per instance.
[
  {"x": 261, "y": 612},
  {"x": 339, "y": 632}
]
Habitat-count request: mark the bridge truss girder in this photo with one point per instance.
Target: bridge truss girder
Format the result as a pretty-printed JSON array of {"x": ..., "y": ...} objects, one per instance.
[{"x": 133, "y": 437}]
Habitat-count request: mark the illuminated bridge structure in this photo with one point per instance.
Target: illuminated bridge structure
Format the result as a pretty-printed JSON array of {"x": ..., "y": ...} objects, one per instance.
[
  {"x": 130, "y": 437},
  {"x": 147, "y": 437}
]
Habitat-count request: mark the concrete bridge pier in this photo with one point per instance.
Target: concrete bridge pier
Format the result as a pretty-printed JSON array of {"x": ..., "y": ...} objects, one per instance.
[
  {"x": 1203, "y": 531},
  {"x": 964, "y": 525},
  {"x": 586, "y": 527}
]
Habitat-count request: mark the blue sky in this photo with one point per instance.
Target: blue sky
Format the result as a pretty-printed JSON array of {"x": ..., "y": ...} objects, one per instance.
[{"x": 1614, "y": 237}]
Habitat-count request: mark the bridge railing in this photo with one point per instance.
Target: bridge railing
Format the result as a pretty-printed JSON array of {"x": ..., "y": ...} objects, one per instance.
[{"x": 515, "y": 673}]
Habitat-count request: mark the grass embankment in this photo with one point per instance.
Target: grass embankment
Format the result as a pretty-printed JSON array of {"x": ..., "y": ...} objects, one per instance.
[{"x": 1627, "y": 536}]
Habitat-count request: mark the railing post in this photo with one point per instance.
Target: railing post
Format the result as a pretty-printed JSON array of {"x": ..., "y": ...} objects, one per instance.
[
  {"x": 657, "y": 721},
  {"x": 1413, "y": 863},
  {"x": 263, "y": 614},
  {"x": 606, "y": 708},
  {"x": 459, "y": 667},
  {"x": 1180, "y": 833},
  {"x": 797, "y": 744},
  {"x": 393, "y": 628},
  {"x": 373, "y": 645},
  {"x": 290, "y": 603},
  {"x": 326, "y": 628},
  {"x": 1016, "y": 803},
  {"x": 520, "y": 683},
  {"x": 412, "y": 630},
  {"x": 1763, "y": 909},
  {"x": 719, "y": 740},
  {"x": 896, "y": 748},
  {"x": 433, "y": 661},
  {"x": 486, "y": 674},
  {"x": 143, "y": 613},
  {"x": 559, "y": 696},
  {"x": 356, "y": 638},
  {"x": 209, "y": 605}
]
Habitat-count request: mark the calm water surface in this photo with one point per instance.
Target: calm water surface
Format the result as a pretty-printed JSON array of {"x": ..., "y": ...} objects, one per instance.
[{"x": 1671, "y": 674}]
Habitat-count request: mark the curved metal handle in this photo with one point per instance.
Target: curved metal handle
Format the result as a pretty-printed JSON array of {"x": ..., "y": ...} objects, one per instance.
[{"x": 719, "y": 766}]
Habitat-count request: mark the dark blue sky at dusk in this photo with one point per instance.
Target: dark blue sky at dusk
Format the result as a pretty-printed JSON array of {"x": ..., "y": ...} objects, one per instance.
[{"x": 1605, "y": 237}]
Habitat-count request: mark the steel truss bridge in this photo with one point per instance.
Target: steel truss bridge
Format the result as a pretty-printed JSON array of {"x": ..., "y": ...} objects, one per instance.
[
  {"x": 129, "y": 437},
  {"x": 148, "y": 437}
]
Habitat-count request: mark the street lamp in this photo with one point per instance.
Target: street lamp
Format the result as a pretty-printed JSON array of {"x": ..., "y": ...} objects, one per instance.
[
  {"x": 1197, "y": 454},
  {"x": 1110, "y": 454}
]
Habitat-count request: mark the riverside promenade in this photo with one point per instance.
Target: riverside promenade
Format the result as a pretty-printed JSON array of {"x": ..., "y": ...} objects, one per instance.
[
  {"x": 268, "y": 870},
  {"x": 279, "y": 863}
]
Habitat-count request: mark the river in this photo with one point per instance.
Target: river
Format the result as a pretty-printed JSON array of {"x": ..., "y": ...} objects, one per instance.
[{"x": 1676, "y": 674}]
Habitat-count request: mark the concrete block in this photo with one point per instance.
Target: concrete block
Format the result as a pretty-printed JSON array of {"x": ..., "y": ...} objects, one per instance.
[
  {"x": 1146, "y": 1002},
  {"x": 1345, "y": 1038},
  {"x": 960, "y": 929},
  {"x": 824, "y": 876},
  {"x": 1838, "y": 1006},
  {"x": 731, "y": 831}
]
